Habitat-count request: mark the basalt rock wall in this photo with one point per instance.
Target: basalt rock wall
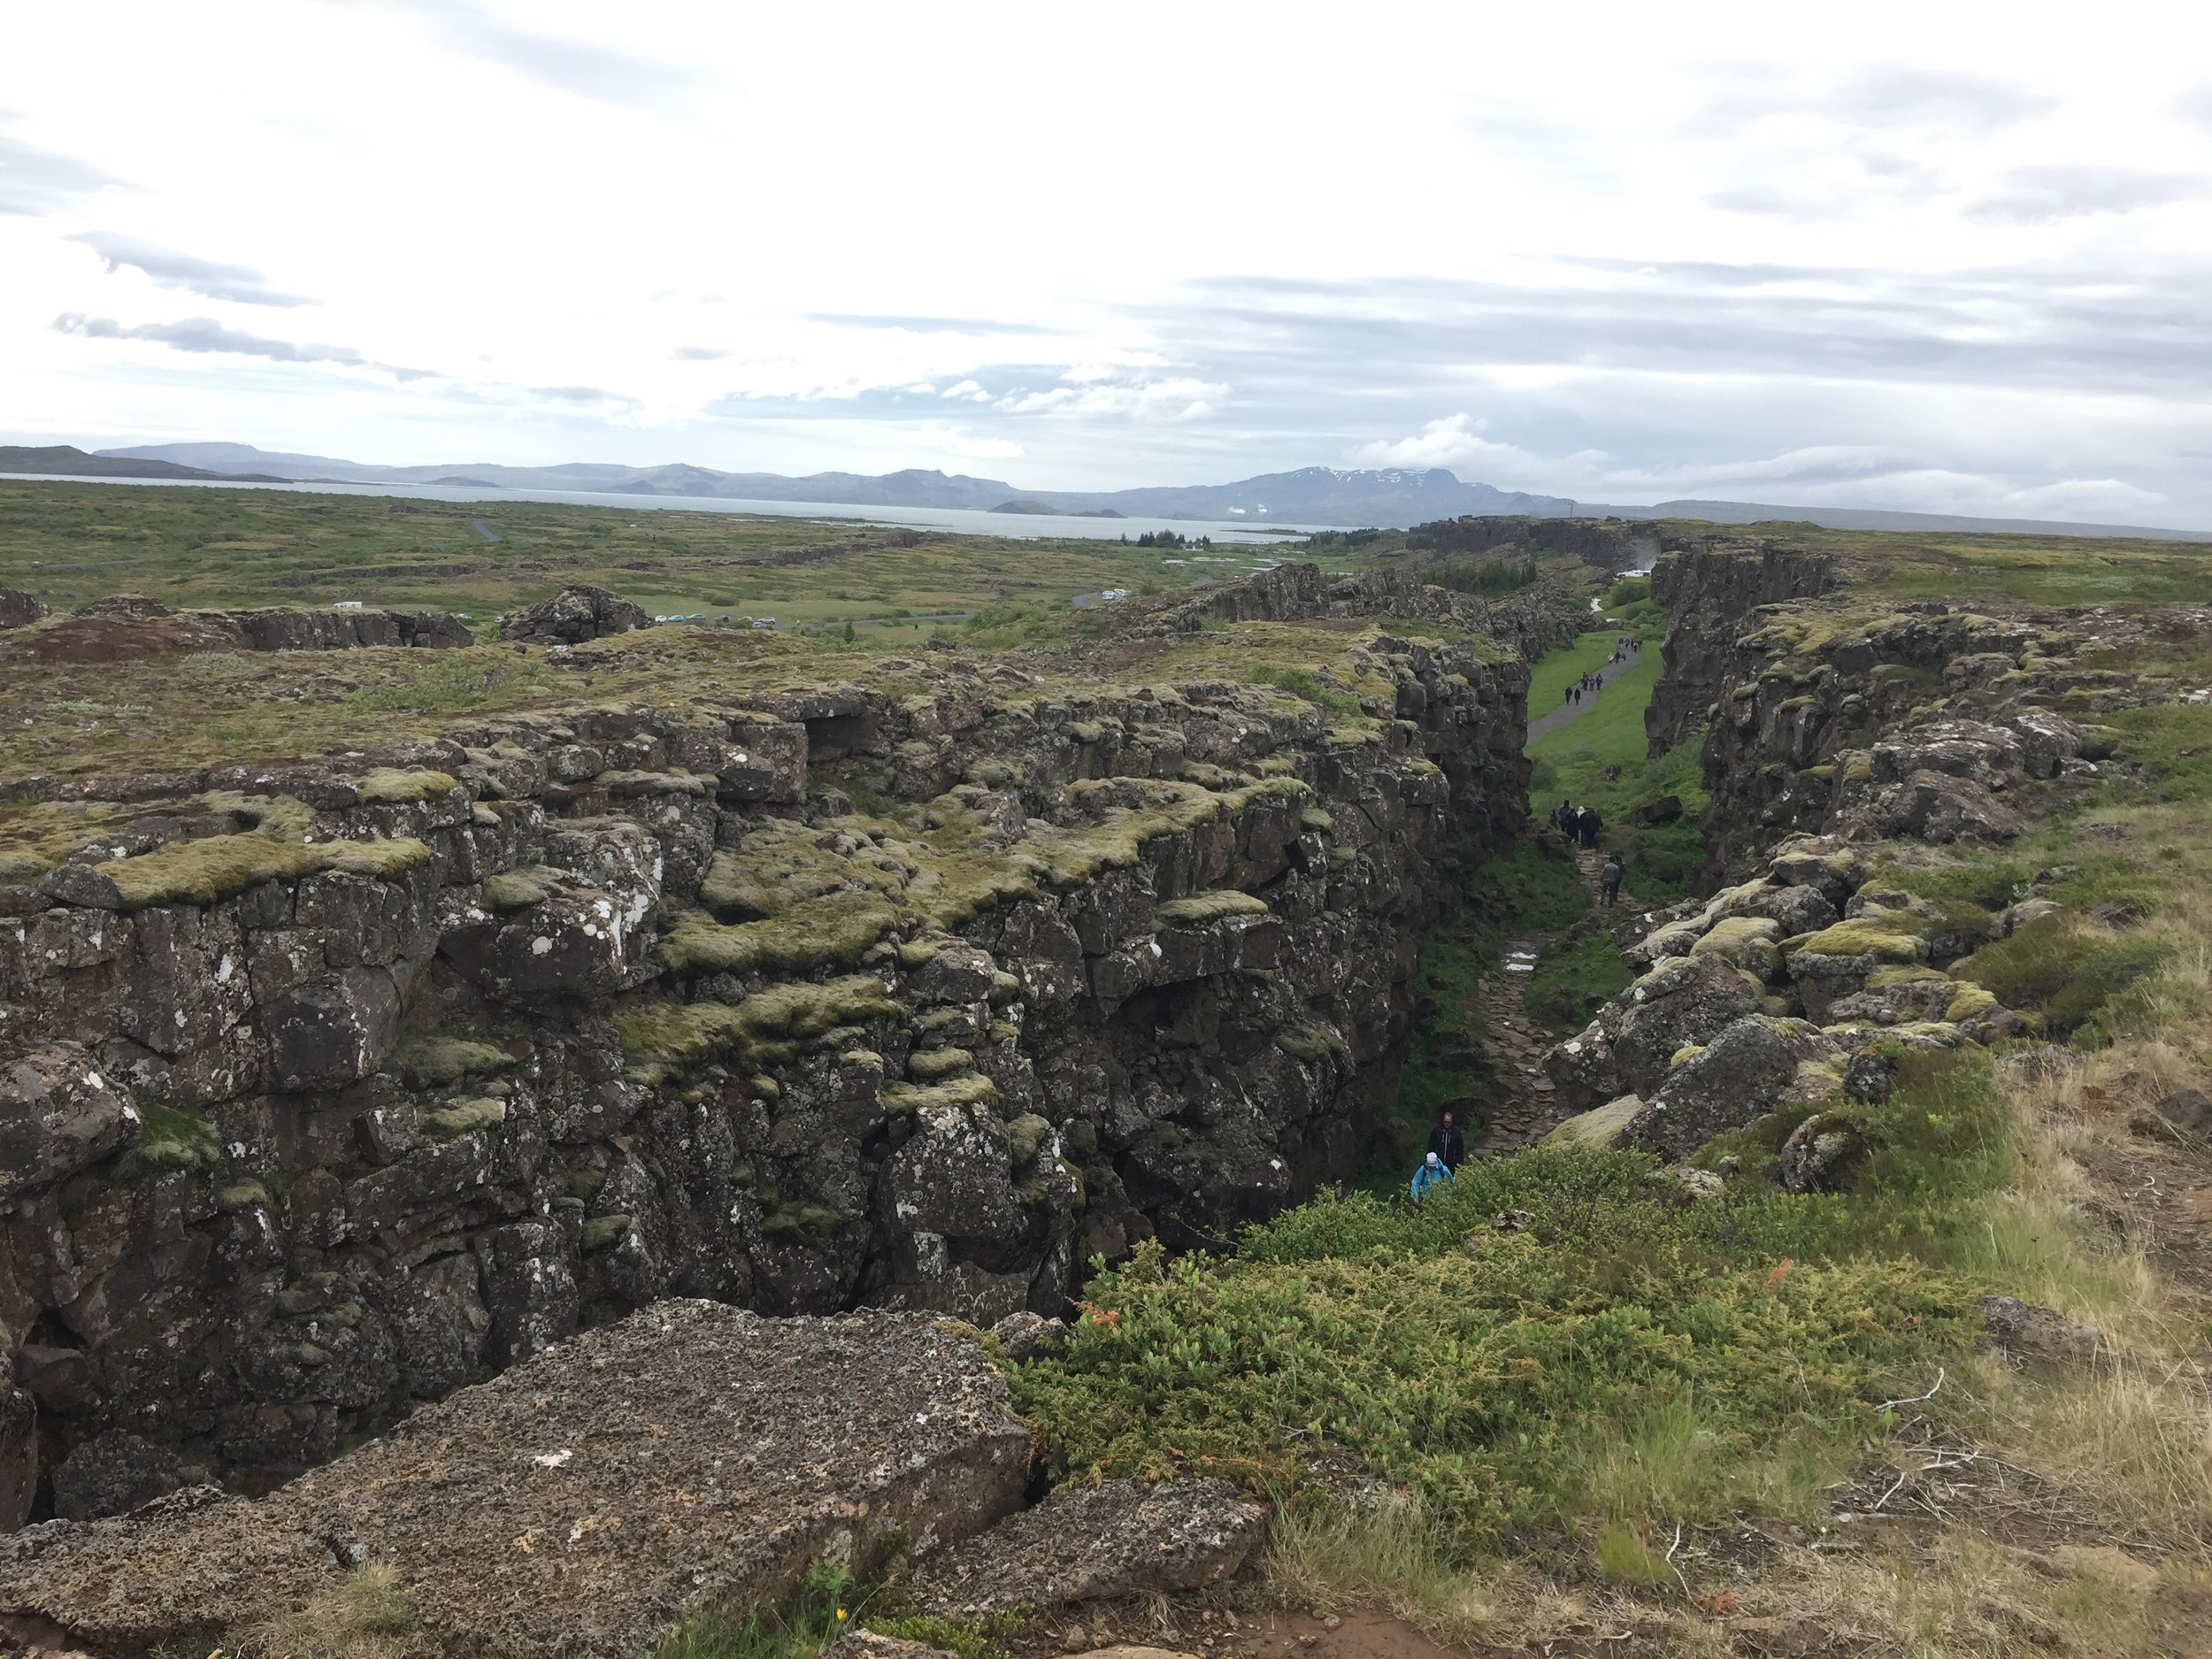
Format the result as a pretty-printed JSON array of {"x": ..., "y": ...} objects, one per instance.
[
  {"x": 326, "y": 1088},
  {"x": 1605, "y": 544},
  {"x": 1708, "y": 592}
]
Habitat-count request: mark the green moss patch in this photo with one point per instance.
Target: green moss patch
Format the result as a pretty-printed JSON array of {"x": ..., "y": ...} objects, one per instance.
[
  {"x": 661, "y": 1039},
  {"x": 432, "y": 1059},
  {"x": 170, "y": 1141},
  {"x": 202, "y": 872},
  {"x": 1215, "y": 906}
]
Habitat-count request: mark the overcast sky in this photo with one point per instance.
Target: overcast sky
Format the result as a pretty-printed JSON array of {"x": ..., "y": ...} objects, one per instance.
[{"x": 1948, "y": 256}]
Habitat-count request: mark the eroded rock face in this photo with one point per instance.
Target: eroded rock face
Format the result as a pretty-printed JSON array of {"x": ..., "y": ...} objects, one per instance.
[
  {"x": 20, "y": 609},
  {"x": 531, "y": 1515},
  {"x": 519, "y": 1028},
  {"x": 573, "y": 616}
]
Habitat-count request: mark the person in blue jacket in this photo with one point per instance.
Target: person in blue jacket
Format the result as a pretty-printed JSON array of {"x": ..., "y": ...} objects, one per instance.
[{"x": 1430, "y": 1173}]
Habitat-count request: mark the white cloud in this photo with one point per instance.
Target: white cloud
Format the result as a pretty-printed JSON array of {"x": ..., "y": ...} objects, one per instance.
[
  {"x": 1454, "y": 441},
  {"x": 1971, "y": 276},
  {"x": 210, "y": 278},
  {"x": 1175, "y": 398}
]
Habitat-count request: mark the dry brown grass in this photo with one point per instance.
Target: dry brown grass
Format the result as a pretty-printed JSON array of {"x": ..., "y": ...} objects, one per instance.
[{"x": 368, "y": 1616}]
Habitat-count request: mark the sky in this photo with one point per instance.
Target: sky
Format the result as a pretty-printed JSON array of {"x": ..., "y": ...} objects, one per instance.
[{"x": 1951, "y": 257}]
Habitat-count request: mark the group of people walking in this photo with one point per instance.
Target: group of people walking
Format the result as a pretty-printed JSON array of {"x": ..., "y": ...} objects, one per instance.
[
  {"x": 1580, "y": 824},
  {"x": 1626, "y": 647}
]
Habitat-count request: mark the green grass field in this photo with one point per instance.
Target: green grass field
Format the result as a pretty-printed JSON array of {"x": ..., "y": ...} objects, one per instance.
[{"x": 219, "y": 548}]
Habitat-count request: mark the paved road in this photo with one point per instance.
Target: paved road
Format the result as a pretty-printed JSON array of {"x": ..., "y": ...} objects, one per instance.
[
  {"x": 1567, "y": 711},
  {"x": 485, "y": 530}
]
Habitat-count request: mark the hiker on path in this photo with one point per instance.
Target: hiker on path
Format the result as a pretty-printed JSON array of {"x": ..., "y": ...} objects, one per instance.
[
  {"x": 1447, "y": 1144},
  {"x": 1430, "y": 1173},
  {"x": 1609, "y": 880},
  {"x": 1562, "y": 819},
  {"x": 1589, "y": 824}
]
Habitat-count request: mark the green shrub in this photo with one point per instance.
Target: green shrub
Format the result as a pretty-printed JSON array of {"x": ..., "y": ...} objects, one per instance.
[
  {"x": 1491, "y": 578},
  {"x": 1303, "y": 682},
  {"x": 1573, "y": 979},
  {"x": 2066, "y": 971},
  {"x": 820, "y": 1610},
  {"x": 1663, "y": 860}
]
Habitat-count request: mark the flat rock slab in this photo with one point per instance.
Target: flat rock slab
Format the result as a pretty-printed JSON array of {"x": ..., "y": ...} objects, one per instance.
[
  {"x": 692, "y": 1453},
  {"x": 1118, "y": 1538}
]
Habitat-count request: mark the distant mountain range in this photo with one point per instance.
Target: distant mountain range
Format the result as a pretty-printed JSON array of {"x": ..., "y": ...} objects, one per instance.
[
  {"x": 64, "y": 461},
  {"x": 1386, "y": 497},
  {"x": 1312, "y": 494}
]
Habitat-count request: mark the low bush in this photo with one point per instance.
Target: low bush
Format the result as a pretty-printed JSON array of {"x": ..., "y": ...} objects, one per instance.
[
  {"x": 1618, "y": 1357},
  {"x": 1663, "y": 860},
  {"x": 1492, "y": 579},
  {"x": 2065, "y": 969},
  {"x": 1574, "y": 978}
]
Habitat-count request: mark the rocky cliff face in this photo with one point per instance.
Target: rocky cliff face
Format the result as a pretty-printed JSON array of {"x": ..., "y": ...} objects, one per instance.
[
  {"x": 1853, "y": 717},
  {"x": 1709, "y": 588},
  {"x": 332, "y": 1086},
  {"x": 1853, "y": 739}
]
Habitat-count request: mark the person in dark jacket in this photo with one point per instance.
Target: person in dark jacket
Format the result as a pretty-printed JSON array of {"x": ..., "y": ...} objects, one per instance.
[
  {"x": 1609, "y": 880},
  {"x": 1449, "y": 1144},
  {"x": 1589, "y": 824}
]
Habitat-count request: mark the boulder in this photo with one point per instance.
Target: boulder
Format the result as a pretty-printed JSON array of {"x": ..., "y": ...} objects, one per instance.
[
  {"x": 2185, "y": 1111},
  {"x": 1664, "y": 809},
  {"x": 571, "y": 617},
  {"x": 113, "y": 1473},
  {"x": 1938, "y": 806},
  {"x": 1794, "y": 908},
  {"x": 2019, "y": 916},
  {"x": 1602, "y": 1126},
  {"x": 20, "y": 609},
  {"x": 1819, "y": 1153},
  {"x": 2029, "y": 1332},
  {"x": 690, "y": 1455},
  {"x": 59, "y": 1113},
  {"x": 1741, "y": 1074},
  {"x": 1024, "y": 1335},
  {"x": 128, "y": 607},
  {"x": 1625, "y": 1050},
  {"x": 1118, "y": 1538}
]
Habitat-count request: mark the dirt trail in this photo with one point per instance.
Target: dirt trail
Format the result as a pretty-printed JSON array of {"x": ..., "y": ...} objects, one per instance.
[{"x": 1522, "y": 1105}]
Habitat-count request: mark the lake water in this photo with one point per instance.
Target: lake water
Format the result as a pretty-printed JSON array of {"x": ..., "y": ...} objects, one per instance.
[{"x": 962, "y": 521}]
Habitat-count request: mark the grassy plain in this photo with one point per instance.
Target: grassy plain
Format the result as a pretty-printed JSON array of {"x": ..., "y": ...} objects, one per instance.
[{"x": 219, "y": 548}]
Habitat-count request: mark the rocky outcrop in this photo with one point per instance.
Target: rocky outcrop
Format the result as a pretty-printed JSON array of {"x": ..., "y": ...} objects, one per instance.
[
  {"x": 549, "y": 1513},
  {"x": 1611, "y": 545},
  {"x": 573, "y": 617},
  {"x": 1117, "y": 1538},
  {"x": 1708, "y": 588},
  {"x": 20, "y": 609},
  {"x": 412, "y": 1062},
  {"x": 128, "y": 626},
  {"x": 1532, "y": 621}
]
